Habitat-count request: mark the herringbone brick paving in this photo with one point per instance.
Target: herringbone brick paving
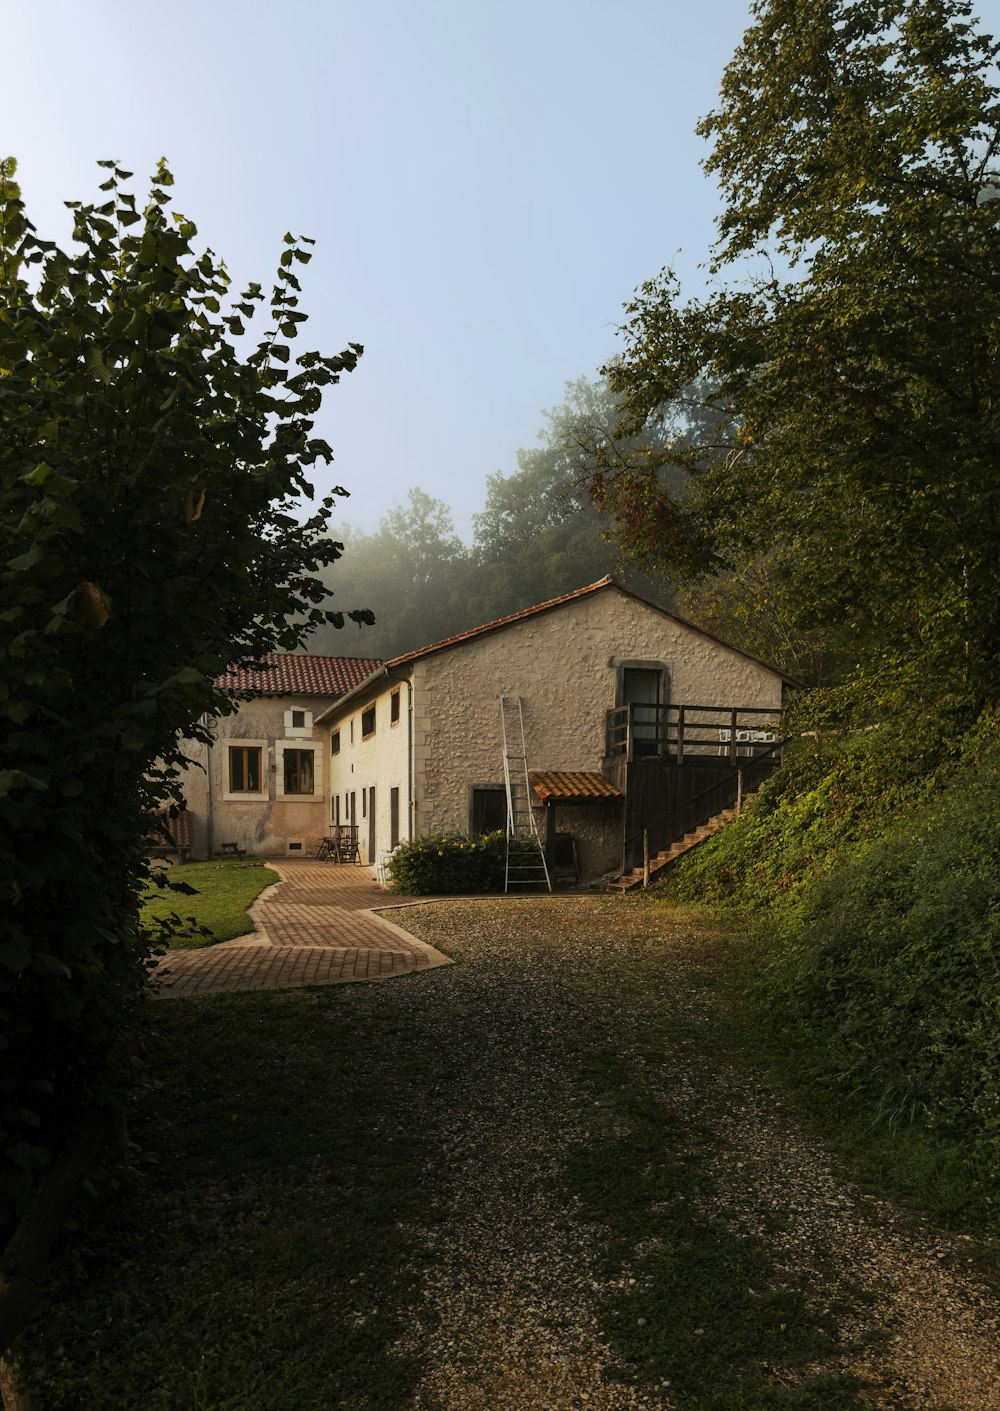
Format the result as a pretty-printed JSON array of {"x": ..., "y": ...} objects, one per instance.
[{"x": 316, "y": 927}]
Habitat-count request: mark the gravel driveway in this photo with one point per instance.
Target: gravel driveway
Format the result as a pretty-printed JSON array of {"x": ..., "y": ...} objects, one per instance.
[{"x": 519, "y": 1305}]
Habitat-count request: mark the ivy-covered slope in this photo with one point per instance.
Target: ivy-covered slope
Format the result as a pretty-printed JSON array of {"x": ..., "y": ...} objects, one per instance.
[{"x": 874, "y": 871}]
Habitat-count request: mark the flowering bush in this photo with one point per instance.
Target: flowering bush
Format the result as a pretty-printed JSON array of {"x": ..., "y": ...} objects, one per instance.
[{"x": 450, "y": 863}]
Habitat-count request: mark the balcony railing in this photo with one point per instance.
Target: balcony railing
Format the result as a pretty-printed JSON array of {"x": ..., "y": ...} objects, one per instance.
[{"x": 691, "y": 732}]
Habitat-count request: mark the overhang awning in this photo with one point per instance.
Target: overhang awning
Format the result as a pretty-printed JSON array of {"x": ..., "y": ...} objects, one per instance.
[{"x": 578, "y": 787}]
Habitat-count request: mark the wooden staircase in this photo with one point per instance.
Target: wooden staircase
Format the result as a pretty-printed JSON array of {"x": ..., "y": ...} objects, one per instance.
[{"x": 627, "y": 880}]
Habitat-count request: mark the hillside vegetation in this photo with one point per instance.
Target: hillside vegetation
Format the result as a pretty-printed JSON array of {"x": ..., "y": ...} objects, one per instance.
[{"x": 870, "y": 866}]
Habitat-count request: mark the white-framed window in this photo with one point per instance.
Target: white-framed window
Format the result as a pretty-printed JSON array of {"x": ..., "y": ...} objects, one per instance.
[
  {"x": 246, "y": 771},
  {"x": 298, "y": 770},
  {"x": 299, "y": 724}
]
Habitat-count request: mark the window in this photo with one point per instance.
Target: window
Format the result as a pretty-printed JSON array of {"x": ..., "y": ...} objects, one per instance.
[
  {"x": 393, "y": 817},
  {"x": 394, "y": 708},
  {"x": 488, "y": 810},
  {"x": 335, "y": 742},
  {"x": 244, "y": 769},
  {"x": 299, "y": 723},
  {"x": 368, "y": 722},
  {"x": 298, "y": 771}
]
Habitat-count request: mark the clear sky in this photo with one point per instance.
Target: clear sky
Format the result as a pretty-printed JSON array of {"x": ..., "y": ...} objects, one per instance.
[{"x": 486, "y": 181}]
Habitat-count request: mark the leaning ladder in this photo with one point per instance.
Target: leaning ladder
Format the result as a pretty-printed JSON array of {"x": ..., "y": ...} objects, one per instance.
[{"x": 526, "y": 867}]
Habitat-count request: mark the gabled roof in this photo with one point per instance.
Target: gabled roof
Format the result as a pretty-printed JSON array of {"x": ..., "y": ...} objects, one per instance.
[
  {"x": 601, "y": 585},
  {"x": 288, "y": 674}
]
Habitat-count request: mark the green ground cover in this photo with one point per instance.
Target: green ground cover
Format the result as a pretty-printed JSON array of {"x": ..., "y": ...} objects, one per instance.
[
  {"x": 868, "y": 873},
  {"x": 215, "y": 909}
]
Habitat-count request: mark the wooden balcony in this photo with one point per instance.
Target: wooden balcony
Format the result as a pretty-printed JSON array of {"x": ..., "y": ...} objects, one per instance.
[{"x": 690, "y": 733}]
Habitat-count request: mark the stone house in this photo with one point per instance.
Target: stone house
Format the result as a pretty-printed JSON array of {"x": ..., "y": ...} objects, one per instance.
[
  {"x": 262, "y": 785},
  {"x": 613, "y": 691}
]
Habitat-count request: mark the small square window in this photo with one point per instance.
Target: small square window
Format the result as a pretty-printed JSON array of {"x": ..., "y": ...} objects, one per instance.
[
  {"x": 298, "y": 720},
  {"x": 368, "y": 722},
  {"x": 335, "y": 742},
  {"x": 394, "y": 708}
]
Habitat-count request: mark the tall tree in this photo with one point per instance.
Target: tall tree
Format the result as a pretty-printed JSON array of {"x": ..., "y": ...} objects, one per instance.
[
  {"x": 413, "y": 574},
  {"x": 148, "y": 475},
  {"x": 856, "y": 144},
  {"x": 538, "y": 534}
]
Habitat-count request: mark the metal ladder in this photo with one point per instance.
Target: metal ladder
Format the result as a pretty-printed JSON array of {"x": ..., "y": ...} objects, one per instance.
[{"x": 527, "y": 866}]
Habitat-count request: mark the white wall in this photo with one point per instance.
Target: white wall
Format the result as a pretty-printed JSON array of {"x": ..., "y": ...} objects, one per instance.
[{"x": 366, "y": 761}]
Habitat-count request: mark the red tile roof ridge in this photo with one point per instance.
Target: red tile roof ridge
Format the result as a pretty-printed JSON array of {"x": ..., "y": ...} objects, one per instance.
[
  {"x": 498, "y": 622},
  {"x": 608, "y": 581}
]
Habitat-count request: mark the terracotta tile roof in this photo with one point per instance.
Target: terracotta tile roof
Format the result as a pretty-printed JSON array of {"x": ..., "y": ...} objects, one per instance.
[
  {"x": 572, "y": 786},
  {"x": 170, "y": 827},
  {"x": 289, "y": 674}
]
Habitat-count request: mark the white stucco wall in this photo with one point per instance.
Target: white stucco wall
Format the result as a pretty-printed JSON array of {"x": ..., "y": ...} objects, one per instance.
[{"x": 378, "y": 760}]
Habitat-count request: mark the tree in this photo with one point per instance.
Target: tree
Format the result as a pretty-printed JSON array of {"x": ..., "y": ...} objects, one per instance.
[
  {"x": 540, "y": 534},
  {"x": 148, "y": 475},
  {"x": 412, "y": 572},
  {"x": 849, "y": 392}
]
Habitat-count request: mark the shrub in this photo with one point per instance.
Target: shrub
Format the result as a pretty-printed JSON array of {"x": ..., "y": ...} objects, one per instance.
[{"x": 452, "y": 863}]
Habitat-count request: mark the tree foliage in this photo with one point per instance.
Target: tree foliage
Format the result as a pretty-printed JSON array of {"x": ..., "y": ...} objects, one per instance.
[
  {"x": 538, "y": 535},
  {"x": 412, "y": 572},
  {"x": 148, "y": 475},
  {"x": 848, "y": 393}
]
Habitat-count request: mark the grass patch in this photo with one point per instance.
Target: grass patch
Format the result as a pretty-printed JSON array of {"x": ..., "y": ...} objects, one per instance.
[
  {"x": 254, "y": 1267},
  {"x": 216, "y": 908}
]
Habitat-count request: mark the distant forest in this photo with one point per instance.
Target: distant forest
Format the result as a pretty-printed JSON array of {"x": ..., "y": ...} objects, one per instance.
[
  {"x": 538, "y": 535},
  {"x": 547, "y": 529}
]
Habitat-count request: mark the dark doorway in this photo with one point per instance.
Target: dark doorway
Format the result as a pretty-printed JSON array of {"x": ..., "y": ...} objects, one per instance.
[{"x": 641, "y": 690}]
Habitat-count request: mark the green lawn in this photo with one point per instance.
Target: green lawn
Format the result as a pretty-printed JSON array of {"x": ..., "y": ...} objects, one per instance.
[{"x": 218, "y": 904}]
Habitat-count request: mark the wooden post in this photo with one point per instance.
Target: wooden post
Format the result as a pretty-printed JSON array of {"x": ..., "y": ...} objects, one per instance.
[
  {"x": 732, "y": 736},
  {"x": 680, "y": 734},
  {"x": 645, "y": 858},
  {"x": 739, "y": 791},
  {"x": 629, "y": 734}
]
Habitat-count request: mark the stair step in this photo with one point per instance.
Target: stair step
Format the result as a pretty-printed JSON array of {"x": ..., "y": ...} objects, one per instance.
[{"x": 628, "y": 880}]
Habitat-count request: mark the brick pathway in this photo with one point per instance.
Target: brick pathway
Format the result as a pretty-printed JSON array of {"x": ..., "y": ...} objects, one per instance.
[{"x": 316, "y": 927}]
